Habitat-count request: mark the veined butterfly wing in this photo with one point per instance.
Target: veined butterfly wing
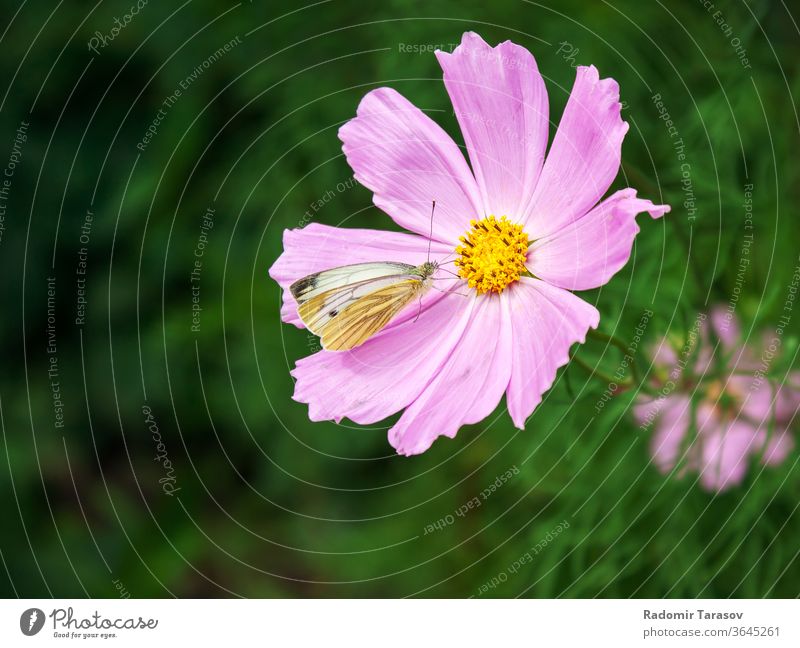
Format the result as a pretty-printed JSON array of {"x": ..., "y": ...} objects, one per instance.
[
  {"x": 320, "y": 282},
  {"x": 365, "y": 317},
  {"x": 345, "y": 306},
  {"x": 323, "y": 307}
]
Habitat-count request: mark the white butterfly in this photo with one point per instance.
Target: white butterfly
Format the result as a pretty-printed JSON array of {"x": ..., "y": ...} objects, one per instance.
[{"x": 347, "y": 305}]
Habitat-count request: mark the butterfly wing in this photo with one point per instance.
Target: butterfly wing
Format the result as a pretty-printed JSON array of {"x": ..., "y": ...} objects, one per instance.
[
  {"x": 363, "y": 318},
  {"x": 323, "y": 307},
  {"x": 347, "y": 305},
  {"x": 319, "y": 282}
]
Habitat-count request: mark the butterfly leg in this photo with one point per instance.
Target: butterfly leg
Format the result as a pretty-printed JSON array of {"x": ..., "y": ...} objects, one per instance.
[
  {"x": 450, "y": 272},
  {"x": 419, "y": 312},
  {"x": 447, "y": 292}
]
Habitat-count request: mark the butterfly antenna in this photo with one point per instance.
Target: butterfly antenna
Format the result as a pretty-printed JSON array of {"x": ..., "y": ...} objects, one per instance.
[{"x": 430, "y": 236}]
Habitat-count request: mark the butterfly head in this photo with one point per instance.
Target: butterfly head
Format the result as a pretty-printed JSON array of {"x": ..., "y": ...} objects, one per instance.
[{"x": 428, "y": 268}]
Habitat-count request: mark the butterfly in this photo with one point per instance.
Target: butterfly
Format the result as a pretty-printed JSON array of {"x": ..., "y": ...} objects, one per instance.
[{"x": 346, "y": 306}]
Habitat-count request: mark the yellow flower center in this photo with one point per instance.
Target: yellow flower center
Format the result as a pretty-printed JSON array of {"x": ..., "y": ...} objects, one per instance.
[{"x": 492, "y": 254}]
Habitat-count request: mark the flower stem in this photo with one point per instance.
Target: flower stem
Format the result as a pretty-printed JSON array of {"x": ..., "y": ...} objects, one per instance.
[
  {"x": 594, "y": 371},
  {"x": 610, "y": 339}
]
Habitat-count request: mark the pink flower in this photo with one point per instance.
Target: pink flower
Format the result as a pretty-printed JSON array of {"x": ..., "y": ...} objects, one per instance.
[
  {"x": 734, "y": 413},
  {"x": 451, "y": 365}
]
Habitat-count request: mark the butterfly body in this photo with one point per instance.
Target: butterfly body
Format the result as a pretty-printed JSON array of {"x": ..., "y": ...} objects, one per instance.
[{"x": 346, "y": 306}]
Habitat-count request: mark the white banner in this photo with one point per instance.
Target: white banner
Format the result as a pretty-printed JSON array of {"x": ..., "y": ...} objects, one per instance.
[{"x": 401, "y": 623}]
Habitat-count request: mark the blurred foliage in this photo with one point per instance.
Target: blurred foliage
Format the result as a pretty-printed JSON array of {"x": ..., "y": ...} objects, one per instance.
[{"x": 271, "y": 504}]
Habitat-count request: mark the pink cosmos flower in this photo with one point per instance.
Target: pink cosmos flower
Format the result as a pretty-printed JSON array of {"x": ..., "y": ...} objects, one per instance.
[
  {"x": 736, "y": 410},
  {"x": 526, "y": 230}
]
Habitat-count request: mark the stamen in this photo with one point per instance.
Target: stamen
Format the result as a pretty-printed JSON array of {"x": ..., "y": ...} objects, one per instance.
[{"x": 492, "y": 254}]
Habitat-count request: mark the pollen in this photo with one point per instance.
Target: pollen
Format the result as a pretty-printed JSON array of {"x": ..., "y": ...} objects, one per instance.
[{"x": 492, "y": 254}]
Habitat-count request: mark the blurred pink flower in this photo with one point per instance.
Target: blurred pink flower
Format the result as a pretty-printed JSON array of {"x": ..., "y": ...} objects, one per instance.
[
  {"x": 739, "y": 416},
  {"x": 453, "y": 364}
]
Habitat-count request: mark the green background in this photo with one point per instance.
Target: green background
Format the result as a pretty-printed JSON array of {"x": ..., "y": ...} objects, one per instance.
[{"x": 271, "y": 504}]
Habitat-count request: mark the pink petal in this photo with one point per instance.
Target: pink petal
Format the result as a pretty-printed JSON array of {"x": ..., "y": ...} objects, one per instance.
[
  {"x": 672, "y": 422},
  {"x": 591, "y": 249},
  {"x": 756, "y": 399},
  {"x": 501, "y": 105},
  {"x": 320, "y": 247},
  {"x": 386, "y": 373},
  {"x": 546, "y": 322},
  {"x": 764, "y": 407},
  {"x": 725, "y": 452},
  {"x": 469, "y": 384},
  {"x": 408, "y": 161},
  {"x": 663, "y": 354},
  {"x": 584, "y": 158},
  {"x": 762, "y": 399},
  {"x": 779, "y": 445},
  {"x": 645, "y": 411},
  {"x": 726, "y": 326}
]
